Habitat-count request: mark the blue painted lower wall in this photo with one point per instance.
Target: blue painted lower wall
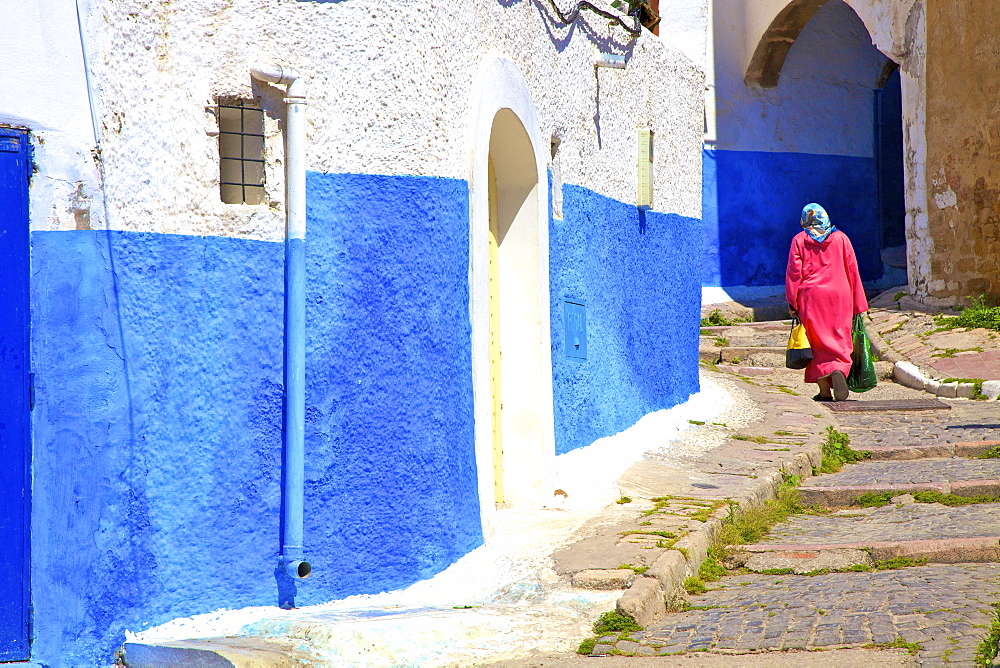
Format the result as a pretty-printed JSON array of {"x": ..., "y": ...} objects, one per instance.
[
  {"x": 636, "y": 273},
  {"x": 751, "y": 205},
  {"x": 157, "y": 427}
]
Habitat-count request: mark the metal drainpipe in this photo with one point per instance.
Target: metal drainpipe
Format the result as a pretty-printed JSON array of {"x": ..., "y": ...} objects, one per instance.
[{"x": 292, "y": 549}]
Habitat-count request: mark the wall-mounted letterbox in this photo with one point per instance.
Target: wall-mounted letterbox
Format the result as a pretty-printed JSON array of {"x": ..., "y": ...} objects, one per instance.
[{"x": 575, "y": 321}]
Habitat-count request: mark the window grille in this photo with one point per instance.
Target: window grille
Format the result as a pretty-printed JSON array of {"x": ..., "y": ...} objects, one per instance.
[{"x": 241, "y": 152}]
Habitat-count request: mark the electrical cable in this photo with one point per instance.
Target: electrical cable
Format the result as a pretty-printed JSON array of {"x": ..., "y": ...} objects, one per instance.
[{"x": 572, "y": 16}]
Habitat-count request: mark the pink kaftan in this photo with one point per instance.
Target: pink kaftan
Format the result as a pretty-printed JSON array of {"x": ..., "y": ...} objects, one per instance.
[{"x": 823, "y": 285}]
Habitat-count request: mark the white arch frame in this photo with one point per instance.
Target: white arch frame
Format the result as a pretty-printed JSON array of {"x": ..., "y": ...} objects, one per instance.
[{"x": 500, "y": 85}]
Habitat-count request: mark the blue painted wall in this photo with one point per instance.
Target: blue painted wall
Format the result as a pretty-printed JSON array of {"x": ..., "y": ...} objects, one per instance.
[
  {"x": 157, "y": 427},
  {"x": 634, "y": 271},
  {"x": 751, "y": 205}
]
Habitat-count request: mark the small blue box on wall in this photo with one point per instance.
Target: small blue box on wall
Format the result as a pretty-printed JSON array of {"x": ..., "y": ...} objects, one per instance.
[{"x": 575, "y": 329}]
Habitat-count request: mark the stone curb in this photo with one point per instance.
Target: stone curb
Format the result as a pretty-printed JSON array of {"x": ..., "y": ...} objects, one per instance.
[
  {"x": 910, "y": 452},
  {"x": 979, "y": 549},
  {"x": 663, "y": 584},
  {"x": 909, "y": 374},
  {"x": 844, "y": 495}
]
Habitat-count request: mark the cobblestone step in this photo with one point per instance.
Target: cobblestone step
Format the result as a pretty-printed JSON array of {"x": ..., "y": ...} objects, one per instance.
[
  {"x": 837, "y": 496},
  {"x": 911, "y": 452},
  {"x": 943, "y": 608},
  {"x": 979, "y": 549}
]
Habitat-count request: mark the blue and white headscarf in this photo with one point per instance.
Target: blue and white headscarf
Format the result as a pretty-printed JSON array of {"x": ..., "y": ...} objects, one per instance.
[{"x": 816, "y": 223}]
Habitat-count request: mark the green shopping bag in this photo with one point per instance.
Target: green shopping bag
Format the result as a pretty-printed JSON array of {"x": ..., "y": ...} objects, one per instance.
[{"x": 862, "y": 377}]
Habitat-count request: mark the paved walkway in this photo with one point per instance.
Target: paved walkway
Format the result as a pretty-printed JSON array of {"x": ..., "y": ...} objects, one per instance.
[{"x": 941, "y": 607}]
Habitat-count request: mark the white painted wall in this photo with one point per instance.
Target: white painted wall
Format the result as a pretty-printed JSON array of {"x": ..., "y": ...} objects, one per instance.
[
  {"x": 823, "y": 101},
  {"x": 44, "y": 90},
  {"x": 389, "y": 94}
]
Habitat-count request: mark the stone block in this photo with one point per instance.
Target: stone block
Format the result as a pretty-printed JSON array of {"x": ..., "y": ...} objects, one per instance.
[
  {"x": 601, "y": 649},
  {"x": 932, "y": 386},
  {"x": 604, "y": 578},
  {"x": 907, "y": 373},
  {"x": 806, "y": 561},
  {"x": 947, "y": 390},
  {"x": 991, "y": 389},
  {"x": 884, "y": 370},
  {"x": 670, "y": 570},
  {"x": 643, "y": 601},
  {"x": 965, "y": 390}
]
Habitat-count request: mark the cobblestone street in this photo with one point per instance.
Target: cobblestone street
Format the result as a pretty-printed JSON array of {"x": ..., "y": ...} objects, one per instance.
[
  {"x": 941, "y": 607},
  {"x": 940, "y": 611}
]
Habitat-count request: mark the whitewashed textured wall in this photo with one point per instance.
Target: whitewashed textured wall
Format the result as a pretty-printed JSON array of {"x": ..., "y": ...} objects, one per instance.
[{"x": 389, "y": 89}]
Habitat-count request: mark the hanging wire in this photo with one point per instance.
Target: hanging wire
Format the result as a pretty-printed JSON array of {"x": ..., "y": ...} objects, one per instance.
[{"x": 574, "y": 13}]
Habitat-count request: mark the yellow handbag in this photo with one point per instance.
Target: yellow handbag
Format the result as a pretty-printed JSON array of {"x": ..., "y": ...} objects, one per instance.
[{"x": 798, "y": 353}]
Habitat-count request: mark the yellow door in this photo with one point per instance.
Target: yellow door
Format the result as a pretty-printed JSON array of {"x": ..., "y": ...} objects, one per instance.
[{"x": 495, "y": 336}]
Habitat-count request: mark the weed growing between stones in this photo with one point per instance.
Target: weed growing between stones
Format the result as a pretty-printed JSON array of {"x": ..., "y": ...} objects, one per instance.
[
  {"x": 987, "y": 649},
  {"x": 694, "y": 586},
  {"x": 992, "y": 453},
  {"x": 624, "y": 499},
  {"x": 837, "y": 451},
  {"x": 748, "y": 525},
  {"x": 898, "y": 643},
  {"x": 638, "y": 570},
  {"x": 716, "y": 319},
  {"x": 879, "y": 499},
  {"x": 610, "y": 623},
  {"x": 979, "y": 313}
]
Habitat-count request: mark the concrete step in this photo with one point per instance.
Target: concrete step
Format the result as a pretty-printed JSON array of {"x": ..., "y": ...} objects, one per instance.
[
  {"x": 230, "y": 652},
  {"x": 738, "y": 353}
]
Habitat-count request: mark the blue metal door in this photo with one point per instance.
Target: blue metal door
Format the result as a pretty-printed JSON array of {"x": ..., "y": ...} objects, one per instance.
[{"x": 15, "y": 166}]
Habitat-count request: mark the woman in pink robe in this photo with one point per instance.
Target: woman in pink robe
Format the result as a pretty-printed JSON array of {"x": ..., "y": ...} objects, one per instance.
[{"x": 823, "y": 287}]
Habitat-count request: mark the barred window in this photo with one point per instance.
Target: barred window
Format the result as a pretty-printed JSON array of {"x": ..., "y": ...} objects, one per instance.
[{"x": 241, "y": 152}]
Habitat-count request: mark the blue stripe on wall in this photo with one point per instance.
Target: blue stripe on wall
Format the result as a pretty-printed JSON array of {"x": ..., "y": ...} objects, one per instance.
[
  {"x": 157, "y": 427},
  {"x": 634, "y": 271},
  {"x": 751, "y": 205}
]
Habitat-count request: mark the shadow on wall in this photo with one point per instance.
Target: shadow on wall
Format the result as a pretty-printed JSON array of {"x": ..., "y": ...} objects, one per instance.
[{"x": 748, "y": 243}]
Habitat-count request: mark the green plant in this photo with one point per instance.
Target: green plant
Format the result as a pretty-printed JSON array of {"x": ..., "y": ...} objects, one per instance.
[
  {"x": 717, "y": 319},
  {"x": 587, "y": 646},
  {"x": 721, "y": 341},
  {"x": 624, "y": 499},
  {"x": 992, "y": 453},
  {"x": 950, "y": 352},
  {"x": 748, "y": 525},
  {"x": 615, "y": 622},
  {"x": 710, "y": 569},
  {"x": 697, "y": 422},
  {"x": 899, "y": 562},
  {"x": 988, "y": 645},
  {"x": 837, "y": 451},
  {"x": 899, "y": 295},
  {"x": 899, "y": 643},
  {"x": 694, "y": 586},
  {"x": 760, "y": 440}
]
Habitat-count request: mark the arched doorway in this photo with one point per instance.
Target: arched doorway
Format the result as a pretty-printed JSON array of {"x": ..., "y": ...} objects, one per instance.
[
  {"x": 794, "y": 123},
  {"x": 509, "y": 294},
  {"x": 514, "y": 305}
]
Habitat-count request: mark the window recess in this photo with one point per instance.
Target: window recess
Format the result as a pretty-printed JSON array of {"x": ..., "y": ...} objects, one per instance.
[{"x": 241, "y": 152}]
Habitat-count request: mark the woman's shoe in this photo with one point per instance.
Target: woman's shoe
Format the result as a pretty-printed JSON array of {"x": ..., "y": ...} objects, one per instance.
[
  {"x": 820, "y": 397},
  {"x": 840, "y": 389}
]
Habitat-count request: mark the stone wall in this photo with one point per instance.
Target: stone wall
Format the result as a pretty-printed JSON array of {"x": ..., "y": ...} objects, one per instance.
[{"x": 963, "y": 148}]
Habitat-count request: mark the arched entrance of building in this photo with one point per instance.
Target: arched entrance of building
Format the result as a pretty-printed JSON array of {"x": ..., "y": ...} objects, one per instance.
[
  {"x": 811, "y": 121},
  {"x": 509, "y": 286}
]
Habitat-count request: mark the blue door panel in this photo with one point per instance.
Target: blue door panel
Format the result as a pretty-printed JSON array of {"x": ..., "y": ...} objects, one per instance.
[{"x": 14, "y": 400}]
